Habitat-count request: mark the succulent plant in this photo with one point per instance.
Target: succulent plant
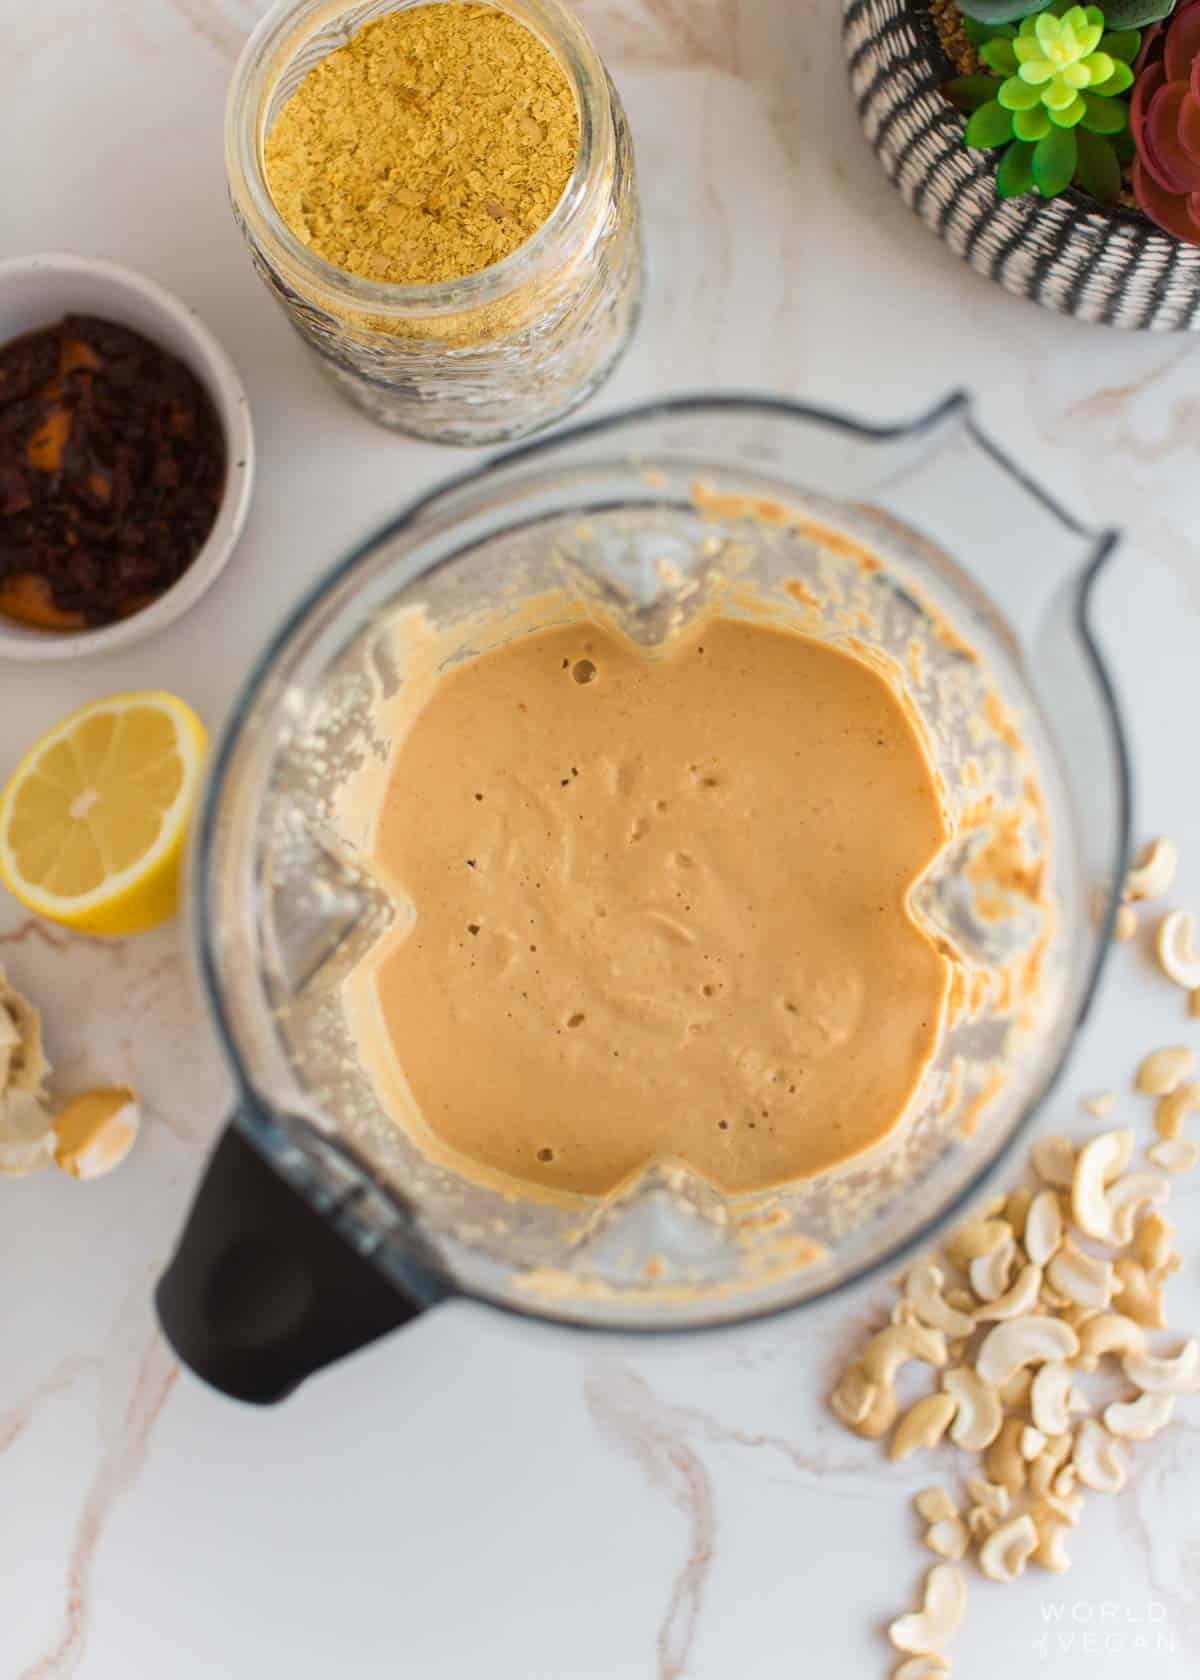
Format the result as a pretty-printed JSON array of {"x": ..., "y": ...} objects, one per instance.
[
  {"x": 1054, "y": 64},
  {"x": 1119, "y": 14},
  {"x": 1164, "y": 119},
  {"x": 1053, "y": 101}
]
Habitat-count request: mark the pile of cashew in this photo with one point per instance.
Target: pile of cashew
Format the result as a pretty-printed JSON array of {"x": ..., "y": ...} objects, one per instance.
[
  {"x": 1038, "y": 1289},
  {"x": 1032, "y": 1293}
]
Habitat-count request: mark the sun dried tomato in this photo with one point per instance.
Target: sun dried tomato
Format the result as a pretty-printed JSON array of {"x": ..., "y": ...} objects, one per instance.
[{"x": 112, "y": 466}]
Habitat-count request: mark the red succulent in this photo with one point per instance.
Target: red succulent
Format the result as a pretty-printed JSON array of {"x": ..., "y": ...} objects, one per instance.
[{"x": 1164, "y": 118}]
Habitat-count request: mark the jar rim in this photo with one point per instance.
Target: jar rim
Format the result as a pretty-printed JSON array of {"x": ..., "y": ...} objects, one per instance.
[{"x": 281, "y": 34}]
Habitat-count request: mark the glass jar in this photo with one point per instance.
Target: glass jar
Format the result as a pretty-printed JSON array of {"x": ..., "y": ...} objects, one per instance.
[{"x": 481, "y": 359}]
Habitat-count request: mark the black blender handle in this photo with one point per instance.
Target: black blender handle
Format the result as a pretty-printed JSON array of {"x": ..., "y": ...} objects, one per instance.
[{"x": 262, "y": 1291}]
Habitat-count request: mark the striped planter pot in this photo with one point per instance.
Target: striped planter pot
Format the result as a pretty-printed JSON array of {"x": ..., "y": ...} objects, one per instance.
[{"x": 1110, "y": 266}]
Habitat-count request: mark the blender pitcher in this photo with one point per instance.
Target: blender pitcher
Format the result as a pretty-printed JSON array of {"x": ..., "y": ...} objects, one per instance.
[{"x": 321, "y": 1223}]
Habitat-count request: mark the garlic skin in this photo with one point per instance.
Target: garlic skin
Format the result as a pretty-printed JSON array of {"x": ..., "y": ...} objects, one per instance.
[
  {"x": 26, "y": 1135},
  {"x": 26, "y": 1130}
]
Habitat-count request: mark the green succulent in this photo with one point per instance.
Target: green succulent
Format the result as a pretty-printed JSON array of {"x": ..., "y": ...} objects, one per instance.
[
  {"x": 1052, "y": 67},
  {"x": 1051, "y": 97}
]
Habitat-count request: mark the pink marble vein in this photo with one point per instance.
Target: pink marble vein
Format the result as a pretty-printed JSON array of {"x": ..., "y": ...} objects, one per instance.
[
  {"x": 626, "y": 1408},
  {"x": 116, "y": 1471}
]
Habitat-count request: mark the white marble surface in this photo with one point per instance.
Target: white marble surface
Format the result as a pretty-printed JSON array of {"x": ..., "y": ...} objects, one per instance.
[{"x": 475, "y": 1496}]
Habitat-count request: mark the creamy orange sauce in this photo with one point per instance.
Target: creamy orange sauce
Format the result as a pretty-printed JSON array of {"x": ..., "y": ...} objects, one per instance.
[{"x": 660, "y": 908}]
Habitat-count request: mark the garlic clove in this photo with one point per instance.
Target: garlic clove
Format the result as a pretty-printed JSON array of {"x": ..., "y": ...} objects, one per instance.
[{"x": 96, "y": 1131}]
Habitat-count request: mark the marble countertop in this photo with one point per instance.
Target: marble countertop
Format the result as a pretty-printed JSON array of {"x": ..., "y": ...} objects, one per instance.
[{"x": 478, "y": 1495}]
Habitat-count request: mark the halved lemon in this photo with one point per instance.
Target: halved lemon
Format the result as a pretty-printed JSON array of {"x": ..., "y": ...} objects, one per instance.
[{"x": 93, "y": 819}]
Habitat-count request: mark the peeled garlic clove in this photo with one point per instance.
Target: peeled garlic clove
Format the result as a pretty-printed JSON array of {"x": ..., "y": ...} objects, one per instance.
[
  {"x": 96, "y": 1131},
  {"x": 26, "y": 1134}
]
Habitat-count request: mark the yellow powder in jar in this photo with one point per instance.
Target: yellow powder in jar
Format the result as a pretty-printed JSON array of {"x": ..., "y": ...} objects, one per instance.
[{"x": 432, "y": 145}]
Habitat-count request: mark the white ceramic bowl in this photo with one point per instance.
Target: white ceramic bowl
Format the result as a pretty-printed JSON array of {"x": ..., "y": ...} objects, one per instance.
[{"x": 37, "y": 291}]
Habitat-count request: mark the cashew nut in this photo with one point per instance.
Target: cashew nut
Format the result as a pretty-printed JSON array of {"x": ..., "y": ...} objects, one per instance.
[
  {"x": 923, "y": 1288},
  {"x": 1044, "y": 1226},
  {"x": 1053, "y": 1159},
  {"x": 1152, "y": 1244},
  {"x": 1023, "y": 1341},
  {"x": 1064, "y": 1483},
  {"x": 880, "y": 1417},
  {"x": 1152, "y": 871},
  {"x": 1126, "y": 1199},
  {"x": 1081, "y": 1278},
  {"x": 1032, "y": 1441},
  {"x": 1125, "y": 924},
  {"x": 923, "y": 1425},
  {"x": 1099, "y": 1162},
  {"x": 1098, "y": 1460},
  {"x": 992, "y": 1496},
  {"x": 1077, "y": 1316},
  {"x": 1175, "y": 1155},
  {"x": 922, "y": 1668},
  {"x": 1138, "y": 1420},
  {"x": 1016, "y": 1209},
  {"x": 989, "y": 1273},
  {"x": 1163, "y": 1070},
  {"x": 890, "y": 1349},
  {"x": 978, "y": 1413},
  {"x": 1141, "y": 1296},
  {"x": 1101, "y": 1104},
  {"x": 935, "y": 1505},
  {"x": 1110, "y": 1333},
  {"x": 1004, "y": 1556},
  {"x": 926, "y": 1631},
  {"x": 1015, "y": 1392},
  {"x": 977, "y": 1238},
  {"x": 1047, "y": 1465},
  {"x": 1017, "y": 1301},
  {"x": 1067, "y": 1504},
  {"x": 1175, "y": 943},
  {"x": 865, "y": 1398},
  {"x": 1050, "y": 1397},
  {"x": 1179, "y": 1374},
  {"x": 854, "y": 1396},
  {"x": 1051, "y": 1298},
  {"x": 962, "y": 1301},
  {"x": 1171, "y": 1111},
  {"x": 1194, "y": 1003},
  {"x": 948, "y": 1538},
  {"x": 1051, "y": 1529},
  {"x": 981, "y": 1522},
  {"x": 1003, "y": 1461}
]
